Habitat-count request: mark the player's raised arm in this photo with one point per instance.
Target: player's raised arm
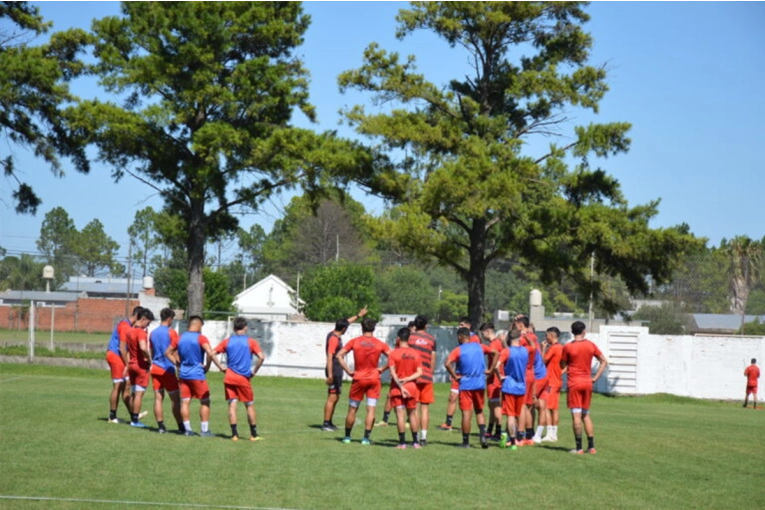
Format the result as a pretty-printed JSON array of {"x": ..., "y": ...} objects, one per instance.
[{"x": 259, "y": 363}]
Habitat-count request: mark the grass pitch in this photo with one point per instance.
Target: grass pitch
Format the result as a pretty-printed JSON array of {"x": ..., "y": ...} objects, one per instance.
[{"x": 653, "y": 452}]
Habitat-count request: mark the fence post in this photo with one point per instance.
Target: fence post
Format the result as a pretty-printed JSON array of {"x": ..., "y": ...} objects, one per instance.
[
  {"x": 52, "y": 320},
  {"x": 31, "y": 331}
]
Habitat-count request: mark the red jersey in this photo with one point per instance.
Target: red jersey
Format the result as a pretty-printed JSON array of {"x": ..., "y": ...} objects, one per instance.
[
  {"x": 552, "y": 361},
  {"x": 425, "y": 345},
  {"x": 495, "y": 344},
  {"x": 532, "y": 353},
  {"x": 406, "y": 361},
  {"x": 578, "y": 356},
  {"x": 134, "y": 336},
  {"x": 366, "y": 355},
  {"x": 474, "y": 339},
  {"x": 752, "y": 373},
  {"x": 123, "y": 328}
]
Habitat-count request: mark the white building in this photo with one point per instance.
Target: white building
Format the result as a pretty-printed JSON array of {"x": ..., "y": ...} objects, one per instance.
[{"x": 269, "y": 299}]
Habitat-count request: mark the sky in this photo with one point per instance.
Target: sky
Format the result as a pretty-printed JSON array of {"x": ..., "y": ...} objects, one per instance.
[{"x": 688, "y": 76}]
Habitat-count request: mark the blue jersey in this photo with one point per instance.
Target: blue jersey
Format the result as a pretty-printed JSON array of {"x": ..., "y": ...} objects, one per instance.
[
  {"x": 540, "y": 370},
  {"x": 114, "y": 341},
  {"x": 160, "y": 341},
  {"x": 471, "y": 364},
  {"x": 192, "y": 356},
  {"x": 515, "y": 370},
  {"x": 239, "y": 350}
]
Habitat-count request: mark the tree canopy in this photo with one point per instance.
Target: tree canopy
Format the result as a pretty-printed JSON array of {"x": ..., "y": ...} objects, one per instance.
[
  {"x": 466, "y": 190},
  {"x": 210, "y": 90},
  {"x": 34, "y": 94}
]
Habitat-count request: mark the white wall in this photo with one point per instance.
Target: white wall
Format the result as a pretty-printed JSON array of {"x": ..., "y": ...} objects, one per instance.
[{"x": 694, "y": 366}]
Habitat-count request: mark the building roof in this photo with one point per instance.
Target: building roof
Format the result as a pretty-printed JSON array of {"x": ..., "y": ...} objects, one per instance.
[
  {"x": 722, "y": 321},
  {"x": 262, "y": 283},
  {"x": 118, "y": 288},
  {"x": 38, "y": 295}
]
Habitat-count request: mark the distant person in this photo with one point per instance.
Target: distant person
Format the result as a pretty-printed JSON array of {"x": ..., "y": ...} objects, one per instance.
[
  {"x": 493, "y": 384},
  {"x": 577, "y": 358},
  {"x": 116, "y": 357},
  {"x": 239, "y": 349},
  {"x": 551, "y": 353},
  {"x": 528, "y": 340},
  {"x": 366, "y": 376},
  {"x": 454, "y": 390},
  {"x": 752, "y": 373},
  {"x": 511, "y": 371},
  {"x": 388, "y": 403},
  {"x": 188, "y": 354},
  {"x": 405, "y": 367},
  {"x": 139, "y": 363},
  {"x": 425, "y": 345},
  {"x": 539, "y": 403},
  {"x": 333, "y": 370},
  {"x": 163, "y": 373},
  {"x": 471, "y": 372}
]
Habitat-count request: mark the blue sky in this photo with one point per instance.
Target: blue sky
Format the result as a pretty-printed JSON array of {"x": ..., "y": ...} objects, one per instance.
[{"x": 689, "y": 77}]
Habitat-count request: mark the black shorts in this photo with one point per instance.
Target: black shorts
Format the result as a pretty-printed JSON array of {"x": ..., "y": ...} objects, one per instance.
[{"x": 337, "y": 381}]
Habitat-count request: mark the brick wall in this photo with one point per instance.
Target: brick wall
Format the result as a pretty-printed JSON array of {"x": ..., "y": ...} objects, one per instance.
[{"x": 92, "y": 315}]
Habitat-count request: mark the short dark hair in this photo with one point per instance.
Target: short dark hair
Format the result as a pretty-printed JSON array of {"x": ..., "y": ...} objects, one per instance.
[
  {"x": 240, "y": 323},
  {"x": 196, "y": 318},
  {"x": 368, "y": 325},
  {"x": 578, "y": 328},
  {"x": 754, "y": 361},
  {"x": 420, "y": 322},
  {"x": 465, "y": 332},
  {"x": 555, "y": 331},
  {"x": 488, "y": 325},
  {"x": 166, "y": 313},
  {"x": 137, "y": 310},
  {"x": 341, "y": 325},
  {"x": 410, "y": 324},
  {"x": 403, "y": 334},
  {"x": 523, "y": 320},
  {"x": 514, "y": 334},
  {"x": 145, "y": 313},
  {"x": 466, "y": 320}
]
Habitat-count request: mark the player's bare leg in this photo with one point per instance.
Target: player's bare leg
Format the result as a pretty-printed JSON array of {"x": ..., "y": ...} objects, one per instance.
[
  {"x": 232, "y": 419},
  {"x": 126, "y": 397},
  {"x": 369, "y": 422},
  {"x": 451, "y": 408},
  {"x": 159, "y": 414},
  {"x": 350, "y": 420},
  {"x": 542, "y": 412},
  {"x": 137, "y": 401},
  {"x": 175, "y": 398},
  {"x": 466, "y": 418},
  {"x": 329, "y": 406},
  {"x": 186, "y": 415},
  {"x": 480, "y": 420},
  {"x": 204, "y": 416},
  {"x": 386, "y": 412}
]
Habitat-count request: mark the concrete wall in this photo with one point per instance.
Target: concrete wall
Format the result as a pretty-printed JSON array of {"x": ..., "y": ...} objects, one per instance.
[{"x": 694, "y": 366}]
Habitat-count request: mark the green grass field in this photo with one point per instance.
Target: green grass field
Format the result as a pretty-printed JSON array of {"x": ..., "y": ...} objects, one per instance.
[
  {"x": 42, "y": 337},
  {"x": 653, "y": 452}
]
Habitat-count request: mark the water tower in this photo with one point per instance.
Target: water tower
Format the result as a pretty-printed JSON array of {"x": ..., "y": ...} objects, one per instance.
[
  {"x": 536, "y": 310},
  {"x": 49, "y": 274}
]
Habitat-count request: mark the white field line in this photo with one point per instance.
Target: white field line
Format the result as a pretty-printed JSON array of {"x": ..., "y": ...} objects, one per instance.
[{"x": 118, "y": 502}]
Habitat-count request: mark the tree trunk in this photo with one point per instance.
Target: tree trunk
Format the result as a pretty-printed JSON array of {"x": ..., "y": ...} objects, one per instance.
[
  {"x": 476, "y": 275},
  {"x": 195, "y": 244}
]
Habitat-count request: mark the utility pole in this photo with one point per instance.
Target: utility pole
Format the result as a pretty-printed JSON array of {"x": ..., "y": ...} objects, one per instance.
[
  {"x": 129, "y": 274},
  {"x": 592, "y": 275},
  {"x": 337, "y": 252}
]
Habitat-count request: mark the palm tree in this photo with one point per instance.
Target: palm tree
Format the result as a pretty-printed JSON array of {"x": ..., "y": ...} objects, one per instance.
[
  {"x": 746, "y": 262},
  {"x": 23, "y": 273}
]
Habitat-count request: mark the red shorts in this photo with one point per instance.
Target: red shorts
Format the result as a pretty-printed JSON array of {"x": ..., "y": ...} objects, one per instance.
[
  {"x": 426, "y": 395},
  {"x": 138, "y": 376},
  {"x": 579, "y": 396},
  {"x": 494, "y": 391},
  {"x": 529, "y": 394},
  {"x": 369, "y": 387},
  {"x": 541, "y": 386},
  {"x": 191, "y": 388},
  {"x": 471, "y": 399},
  {"x": 552, "y": 397},
  {"x": 237, "y": 387},
  {"x": 116, "y": 365},
  {"x": 396, "y": 400},
  {"x": 751, "y": 389},
  {"x": 512, "y": 405},
  {"x": 455, "y": 387},
  {"x": 164, "y": 380}
]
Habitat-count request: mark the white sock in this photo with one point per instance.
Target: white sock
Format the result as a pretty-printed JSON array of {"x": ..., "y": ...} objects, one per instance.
[
  {"x": 553, "y": 429},
  {"x": 539, "y": 430},
  {"x": 205, "y": 426},
  {"x": 423, "y": 435},
  {"x": 187, "y": 425}
]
